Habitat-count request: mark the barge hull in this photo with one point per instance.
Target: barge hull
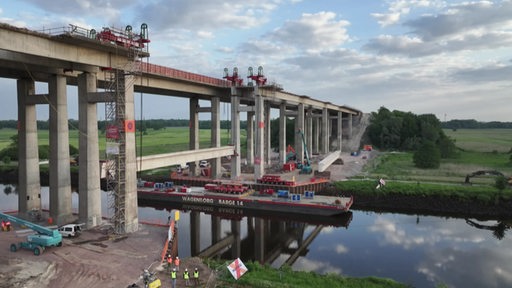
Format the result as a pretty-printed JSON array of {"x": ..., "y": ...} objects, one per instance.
[{"x": 320, "y": 205}]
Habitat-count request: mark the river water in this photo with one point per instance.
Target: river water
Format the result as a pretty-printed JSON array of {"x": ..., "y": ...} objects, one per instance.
[{"x": 419, "y": 250}]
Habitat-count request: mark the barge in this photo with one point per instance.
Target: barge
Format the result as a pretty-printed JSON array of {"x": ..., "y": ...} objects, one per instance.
[
  {"x": 242, "y": 197},
  {"x": 237, "y": 214}
]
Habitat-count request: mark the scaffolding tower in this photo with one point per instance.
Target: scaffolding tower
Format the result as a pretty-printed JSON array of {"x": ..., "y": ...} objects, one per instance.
[{"x": 118, "y": 80}]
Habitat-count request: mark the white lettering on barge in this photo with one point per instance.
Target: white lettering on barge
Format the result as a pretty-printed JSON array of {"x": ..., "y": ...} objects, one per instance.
[
  {"x": 197, "y": 200},
  {"x": 231, "y": 202}
]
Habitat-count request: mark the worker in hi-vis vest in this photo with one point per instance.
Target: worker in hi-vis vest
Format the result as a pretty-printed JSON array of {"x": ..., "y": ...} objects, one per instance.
[
  {"x": 173, "y": 277},
  {"x": 186, "y": 277},
  {"x": 196, "y": 277}
]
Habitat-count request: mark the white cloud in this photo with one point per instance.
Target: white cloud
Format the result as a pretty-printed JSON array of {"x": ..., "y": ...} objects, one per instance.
[{"x": 316, "y": 32}]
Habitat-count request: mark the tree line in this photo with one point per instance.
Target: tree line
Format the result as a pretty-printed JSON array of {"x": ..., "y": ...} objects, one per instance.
[
  {"x": 155, "y": 124},
  {"x": 473, "y": 124},
  {"x": 405, "y": 131}
]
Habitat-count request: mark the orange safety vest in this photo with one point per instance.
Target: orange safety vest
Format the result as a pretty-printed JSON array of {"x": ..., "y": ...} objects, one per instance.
[
  {"x": 177, "y": 261},
  {"x": 169, "y": 260}
]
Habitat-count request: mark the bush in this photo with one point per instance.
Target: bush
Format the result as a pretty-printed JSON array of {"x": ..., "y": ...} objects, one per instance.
[
  {"x": 427, "y": 156},
  {"x": 501, "y": 183}
]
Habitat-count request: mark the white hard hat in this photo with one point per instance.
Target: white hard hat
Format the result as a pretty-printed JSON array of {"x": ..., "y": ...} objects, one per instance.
[{"x": 173, "y": 269}]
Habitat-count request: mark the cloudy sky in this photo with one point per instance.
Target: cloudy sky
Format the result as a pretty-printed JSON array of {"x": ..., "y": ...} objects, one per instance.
[{"x": 449, "y": 58}]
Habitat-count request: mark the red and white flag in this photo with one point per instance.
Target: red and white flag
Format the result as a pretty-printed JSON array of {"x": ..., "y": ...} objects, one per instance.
[{"x": 237, "y": 268}]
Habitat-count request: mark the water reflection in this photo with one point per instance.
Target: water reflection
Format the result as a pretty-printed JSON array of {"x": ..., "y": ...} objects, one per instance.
[
  {"x": 265, "y": 236},
  {"x": 8, "y": 189},
  {"x": 498, "y": 230},
  {"x": 419, "y": 250}
]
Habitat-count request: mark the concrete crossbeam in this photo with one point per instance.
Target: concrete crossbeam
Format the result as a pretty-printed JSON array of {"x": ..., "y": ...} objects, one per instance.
[
  {"x": 170, "y": 159},
  {"x": 328, "y": 160}
]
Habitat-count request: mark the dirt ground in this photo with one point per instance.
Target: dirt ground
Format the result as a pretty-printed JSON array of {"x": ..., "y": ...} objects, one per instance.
[{"x": 92, "y": 260}]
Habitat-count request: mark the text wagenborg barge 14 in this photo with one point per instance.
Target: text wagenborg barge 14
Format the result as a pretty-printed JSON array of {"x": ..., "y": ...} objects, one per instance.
[{"x": 241, "y": 196}]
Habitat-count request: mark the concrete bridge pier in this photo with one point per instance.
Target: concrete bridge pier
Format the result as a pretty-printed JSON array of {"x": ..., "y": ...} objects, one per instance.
[
  {"x": 309, "y": 130},
  {"x": 235, "y": 134},
  {"x": 259, "y": 161},
  {"x": 339, "y": 130},
  {"x": 89, "y": 188},
  {"x": 316, "y": 135},
  {"x": 250, "y": 138},
  {"x": 267, "y": 142},
  {"x": 216, "y": 163},
  {"x": 60, "y": 177},
  {"x": 131, "y": 218},
  {"x": 29, "y": 186},
  {"x": 325, "y": 132},
  {"x": 282, "y": 133},
  {"x": 194, "y": 132}
]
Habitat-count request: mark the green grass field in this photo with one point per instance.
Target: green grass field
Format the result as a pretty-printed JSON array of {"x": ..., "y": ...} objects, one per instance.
[
  {"x": 482, "y": 140},
  {"x": 172, "y": 139},
  {"x": 480, "y": 149}
]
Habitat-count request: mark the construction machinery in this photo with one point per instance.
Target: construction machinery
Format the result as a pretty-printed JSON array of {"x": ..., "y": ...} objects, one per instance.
[
  {"x": 305, "y": 168},
  {"x": 38, "y": 242}
]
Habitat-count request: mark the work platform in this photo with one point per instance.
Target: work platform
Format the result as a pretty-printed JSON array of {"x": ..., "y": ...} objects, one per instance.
[{"x": 295, "y": 187}]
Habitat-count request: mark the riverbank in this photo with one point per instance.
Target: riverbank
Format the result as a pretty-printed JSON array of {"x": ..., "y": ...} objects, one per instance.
[
  {"x": 99, "y": 259},
  {"x": 483, "y": 202}
]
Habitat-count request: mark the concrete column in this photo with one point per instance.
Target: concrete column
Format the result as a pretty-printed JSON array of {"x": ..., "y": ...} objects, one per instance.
[
  {"x": 194, "y": 133},
  {"x": 349, "y": 126},
  {"x": 236, "y": 246},
  {"x": 340, "y": 130},
  {"x": 268, "y": 148},
  {"x": 29, "y": 187},
  {"x": 131, "y": 219},
  {"x": 299, "y": 126},
  {"x": 309, "y": 131},
  {"x": 60, "y": 177},
  {"x": 325, "y": 131},
  {"x": 216, "y": 163},
  {"x": 282, "y": 133},
  {"x": 316, "y": 135},
  {"x": 250, "y": 138},
  {"x": 259, "y": 167},
  {"x": 235, "y": 134},
  {"x": 89, "y": 189}
]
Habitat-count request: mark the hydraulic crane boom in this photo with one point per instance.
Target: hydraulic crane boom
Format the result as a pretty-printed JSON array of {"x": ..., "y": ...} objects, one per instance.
[
  {"x": 306, "y": 167},
  {"x": 45, "y": 237}
]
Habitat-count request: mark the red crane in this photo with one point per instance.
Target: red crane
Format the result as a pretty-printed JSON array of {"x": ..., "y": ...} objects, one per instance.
[
  {"x": 235, "y": 80},
  {"x": 125, "y": 38},
  {"x": 260, "y": 79}
]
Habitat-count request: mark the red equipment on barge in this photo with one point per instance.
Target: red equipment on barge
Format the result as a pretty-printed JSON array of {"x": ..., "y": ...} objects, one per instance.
[{"x": 236, "y": 195}]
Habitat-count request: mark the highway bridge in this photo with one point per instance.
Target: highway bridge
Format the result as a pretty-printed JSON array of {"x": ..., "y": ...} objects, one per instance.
[{"x": 110, "y": 73}]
